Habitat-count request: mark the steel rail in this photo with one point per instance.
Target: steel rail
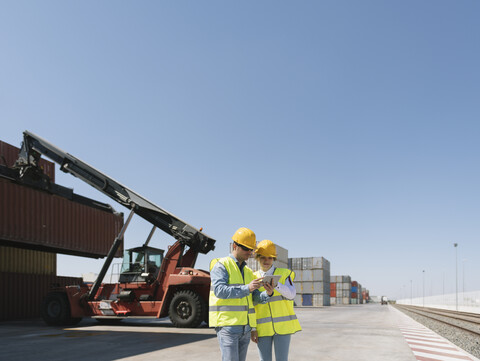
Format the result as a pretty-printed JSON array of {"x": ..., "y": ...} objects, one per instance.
[{"x": 425, "y": 313}]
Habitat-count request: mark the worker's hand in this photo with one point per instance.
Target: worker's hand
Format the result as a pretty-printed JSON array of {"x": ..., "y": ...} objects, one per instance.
[
  {"x": 254, "y": 336},
  {"x": 268, "y": 288},
  {"x": 255, "y": 284}
]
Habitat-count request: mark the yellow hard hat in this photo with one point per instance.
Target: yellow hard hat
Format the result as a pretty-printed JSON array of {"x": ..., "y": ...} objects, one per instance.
[
  {"x": 266, "y": 248},
  {"x": 245, "y": 237}
]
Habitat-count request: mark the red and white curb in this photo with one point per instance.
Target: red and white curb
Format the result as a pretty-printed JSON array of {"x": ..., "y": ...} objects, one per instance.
[{"x": 426, "y": 345}]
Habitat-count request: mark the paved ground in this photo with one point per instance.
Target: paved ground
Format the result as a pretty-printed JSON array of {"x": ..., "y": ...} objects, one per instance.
[{"x": 355, "y": 332}]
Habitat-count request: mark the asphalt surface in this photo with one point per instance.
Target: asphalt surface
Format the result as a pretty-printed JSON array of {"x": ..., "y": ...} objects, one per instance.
[{"x": 354, "y": 332}]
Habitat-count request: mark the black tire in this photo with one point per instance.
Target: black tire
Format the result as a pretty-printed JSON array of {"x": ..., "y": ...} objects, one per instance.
[
  {"x": 55, "y": 310},
  {"x": 187, "y": 309}
]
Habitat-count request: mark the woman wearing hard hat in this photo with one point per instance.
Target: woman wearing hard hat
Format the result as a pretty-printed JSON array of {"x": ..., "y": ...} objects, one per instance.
[{"x": 276, "y": 320}]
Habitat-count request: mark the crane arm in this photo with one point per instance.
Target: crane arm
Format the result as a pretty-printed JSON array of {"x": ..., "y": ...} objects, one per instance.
[{"x": 34, "y": 146}]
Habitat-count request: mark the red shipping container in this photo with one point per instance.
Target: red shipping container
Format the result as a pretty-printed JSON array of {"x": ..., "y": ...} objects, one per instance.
[
  {"x": 22, "y": 294},
  {"x": 36, "y": 219}
]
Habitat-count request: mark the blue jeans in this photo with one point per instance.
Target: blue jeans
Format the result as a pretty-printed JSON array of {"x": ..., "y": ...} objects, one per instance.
[
  {"x": 233, "y": 342},
  {"x": 281, "y": 344}
]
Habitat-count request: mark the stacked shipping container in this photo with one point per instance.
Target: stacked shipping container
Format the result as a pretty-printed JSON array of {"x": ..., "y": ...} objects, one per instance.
[
  {"x": 340, "y": 294},
  {"x": 312, "y": 280},
  {"x": 34, "y": 226}
]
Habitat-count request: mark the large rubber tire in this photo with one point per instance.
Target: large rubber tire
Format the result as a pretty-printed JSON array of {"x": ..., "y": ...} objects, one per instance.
[
  {"x": 187, "y": 309},
  {"x": 55, "y": 310}
]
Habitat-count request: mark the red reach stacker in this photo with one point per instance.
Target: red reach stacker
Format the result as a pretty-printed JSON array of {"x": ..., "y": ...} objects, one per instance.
[{"x": 151, "y": 283}]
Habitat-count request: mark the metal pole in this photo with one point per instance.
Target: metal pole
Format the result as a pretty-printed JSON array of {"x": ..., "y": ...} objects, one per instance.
[
  {"x": 423, "y": 288},
  {"x": 456, "y": 277},
  {"x": 108, "y": 261},
  {"x": 411, "y": 292}
]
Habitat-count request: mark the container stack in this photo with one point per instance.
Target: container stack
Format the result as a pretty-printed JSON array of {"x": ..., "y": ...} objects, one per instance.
[
  {"x": 312, "y": 280},
  {"x": 354, "y": 293},
  {"x": 35, "y": 225},
  {"x": 365, "y": 295},
  {"x": 333, "y": 293},
  {"x": 341, "y": 291},
  {"x": 360, "y": 290}
]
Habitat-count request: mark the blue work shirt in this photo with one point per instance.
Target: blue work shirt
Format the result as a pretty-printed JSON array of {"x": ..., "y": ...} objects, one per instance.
[{"x": 219, "y": 277}]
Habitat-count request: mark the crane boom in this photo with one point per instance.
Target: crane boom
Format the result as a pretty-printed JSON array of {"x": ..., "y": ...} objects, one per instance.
[{"x": 33, "y": 146}]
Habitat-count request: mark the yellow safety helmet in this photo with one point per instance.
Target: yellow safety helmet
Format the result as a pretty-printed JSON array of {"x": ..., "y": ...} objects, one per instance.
[
  {"x": 266, "y": 248},
  {"x": 245, "y": 237}
]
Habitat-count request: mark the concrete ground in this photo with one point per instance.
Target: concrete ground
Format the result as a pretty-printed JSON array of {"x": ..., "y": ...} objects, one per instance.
[{"x": 355, "y": 332}]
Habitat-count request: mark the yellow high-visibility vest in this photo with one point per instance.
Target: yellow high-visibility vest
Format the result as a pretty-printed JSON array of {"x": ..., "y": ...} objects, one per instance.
[
  {"x": 232, "y": 311},
  {"x": 277, "y": 315}
]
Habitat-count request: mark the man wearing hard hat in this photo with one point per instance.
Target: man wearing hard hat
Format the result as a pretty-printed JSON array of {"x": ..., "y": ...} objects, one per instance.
[{"x": 233, "y": 292}]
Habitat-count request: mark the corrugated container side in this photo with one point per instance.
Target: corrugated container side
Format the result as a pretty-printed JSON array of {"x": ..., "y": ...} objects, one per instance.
[
  {"x": 30, "y": 217},
  {"x": 320, "y": 287},
  {"x": 312, "y": 275},
  {"x": 333, "y": 300},
  {"x": 297, "y": 301},
  {"x": 25, "y": 293},
  {"x": 253, "y": 264},
  {"x": 282, "y": 255},
  {"x": 21, "y": 260},
  {"x": 307, "y": 263},
  {"x": 306, "y": 287},
  {"x": 280, "y": 264},
  {"x": 298, "y": 287},
  {"x": 320, "y": 263},
  {"x": 9, "y": 154},
  {"x": 307, "y": 300}
]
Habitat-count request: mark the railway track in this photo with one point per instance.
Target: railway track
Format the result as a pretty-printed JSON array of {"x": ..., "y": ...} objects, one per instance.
[{"x": 465, "y": 321}]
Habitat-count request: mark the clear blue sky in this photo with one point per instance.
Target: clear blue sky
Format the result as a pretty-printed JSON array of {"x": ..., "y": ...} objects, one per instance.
[{"x": 348, "y": 130}]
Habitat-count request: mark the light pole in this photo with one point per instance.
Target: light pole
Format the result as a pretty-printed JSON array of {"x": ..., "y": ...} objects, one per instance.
[
  {"x": 411, "y": 292},
  {"x": 463, "y": 281},
  {"x": 456, "y": 277},
  {"x": 423, "y": 288}
]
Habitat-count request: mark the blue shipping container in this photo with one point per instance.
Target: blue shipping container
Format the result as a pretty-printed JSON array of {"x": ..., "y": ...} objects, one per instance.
[
  {"x": 354, "y": 289},
  {"x": 307, "y": 299}
]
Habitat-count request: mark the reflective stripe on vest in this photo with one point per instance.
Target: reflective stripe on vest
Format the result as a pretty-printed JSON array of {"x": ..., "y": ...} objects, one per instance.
[
  {"x": 276, "y": 319},
  {"x": 232, "y": 311},
  {"x": 277, "y": 316}
]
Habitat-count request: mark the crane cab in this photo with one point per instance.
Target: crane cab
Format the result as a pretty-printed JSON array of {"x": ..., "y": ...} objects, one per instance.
[{"x": 141, "y": 264}]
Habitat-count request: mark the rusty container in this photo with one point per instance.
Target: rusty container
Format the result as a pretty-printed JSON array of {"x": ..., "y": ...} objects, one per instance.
[
  {"x": 36, "y": 219},
  {"x": 9, "y": 154},
  {"x": 20, "y": 260},
  {"x": 22, "y": 293}
]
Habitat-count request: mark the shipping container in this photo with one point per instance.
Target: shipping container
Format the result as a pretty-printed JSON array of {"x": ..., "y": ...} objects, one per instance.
[
  {"x": 19, "y": 260},
  {"x": 307, "y": 300},
  {"x": 333, "y": 300},
  {"x": 9, "y": 154},
  {"x": 22, "y": 293},
  {"x": 312, "y": 275},
  {"x": 320, "y": 300},
  {"x": 39, "y": 220},
  {"x": 297, "y": 300}
]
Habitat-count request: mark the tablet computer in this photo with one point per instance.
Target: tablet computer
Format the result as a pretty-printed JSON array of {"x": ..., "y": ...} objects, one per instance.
[{"x": 271, "y": 279}]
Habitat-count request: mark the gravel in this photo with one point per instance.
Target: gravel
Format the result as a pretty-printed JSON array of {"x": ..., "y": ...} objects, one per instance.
[{"x": 463, "y": 339}]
